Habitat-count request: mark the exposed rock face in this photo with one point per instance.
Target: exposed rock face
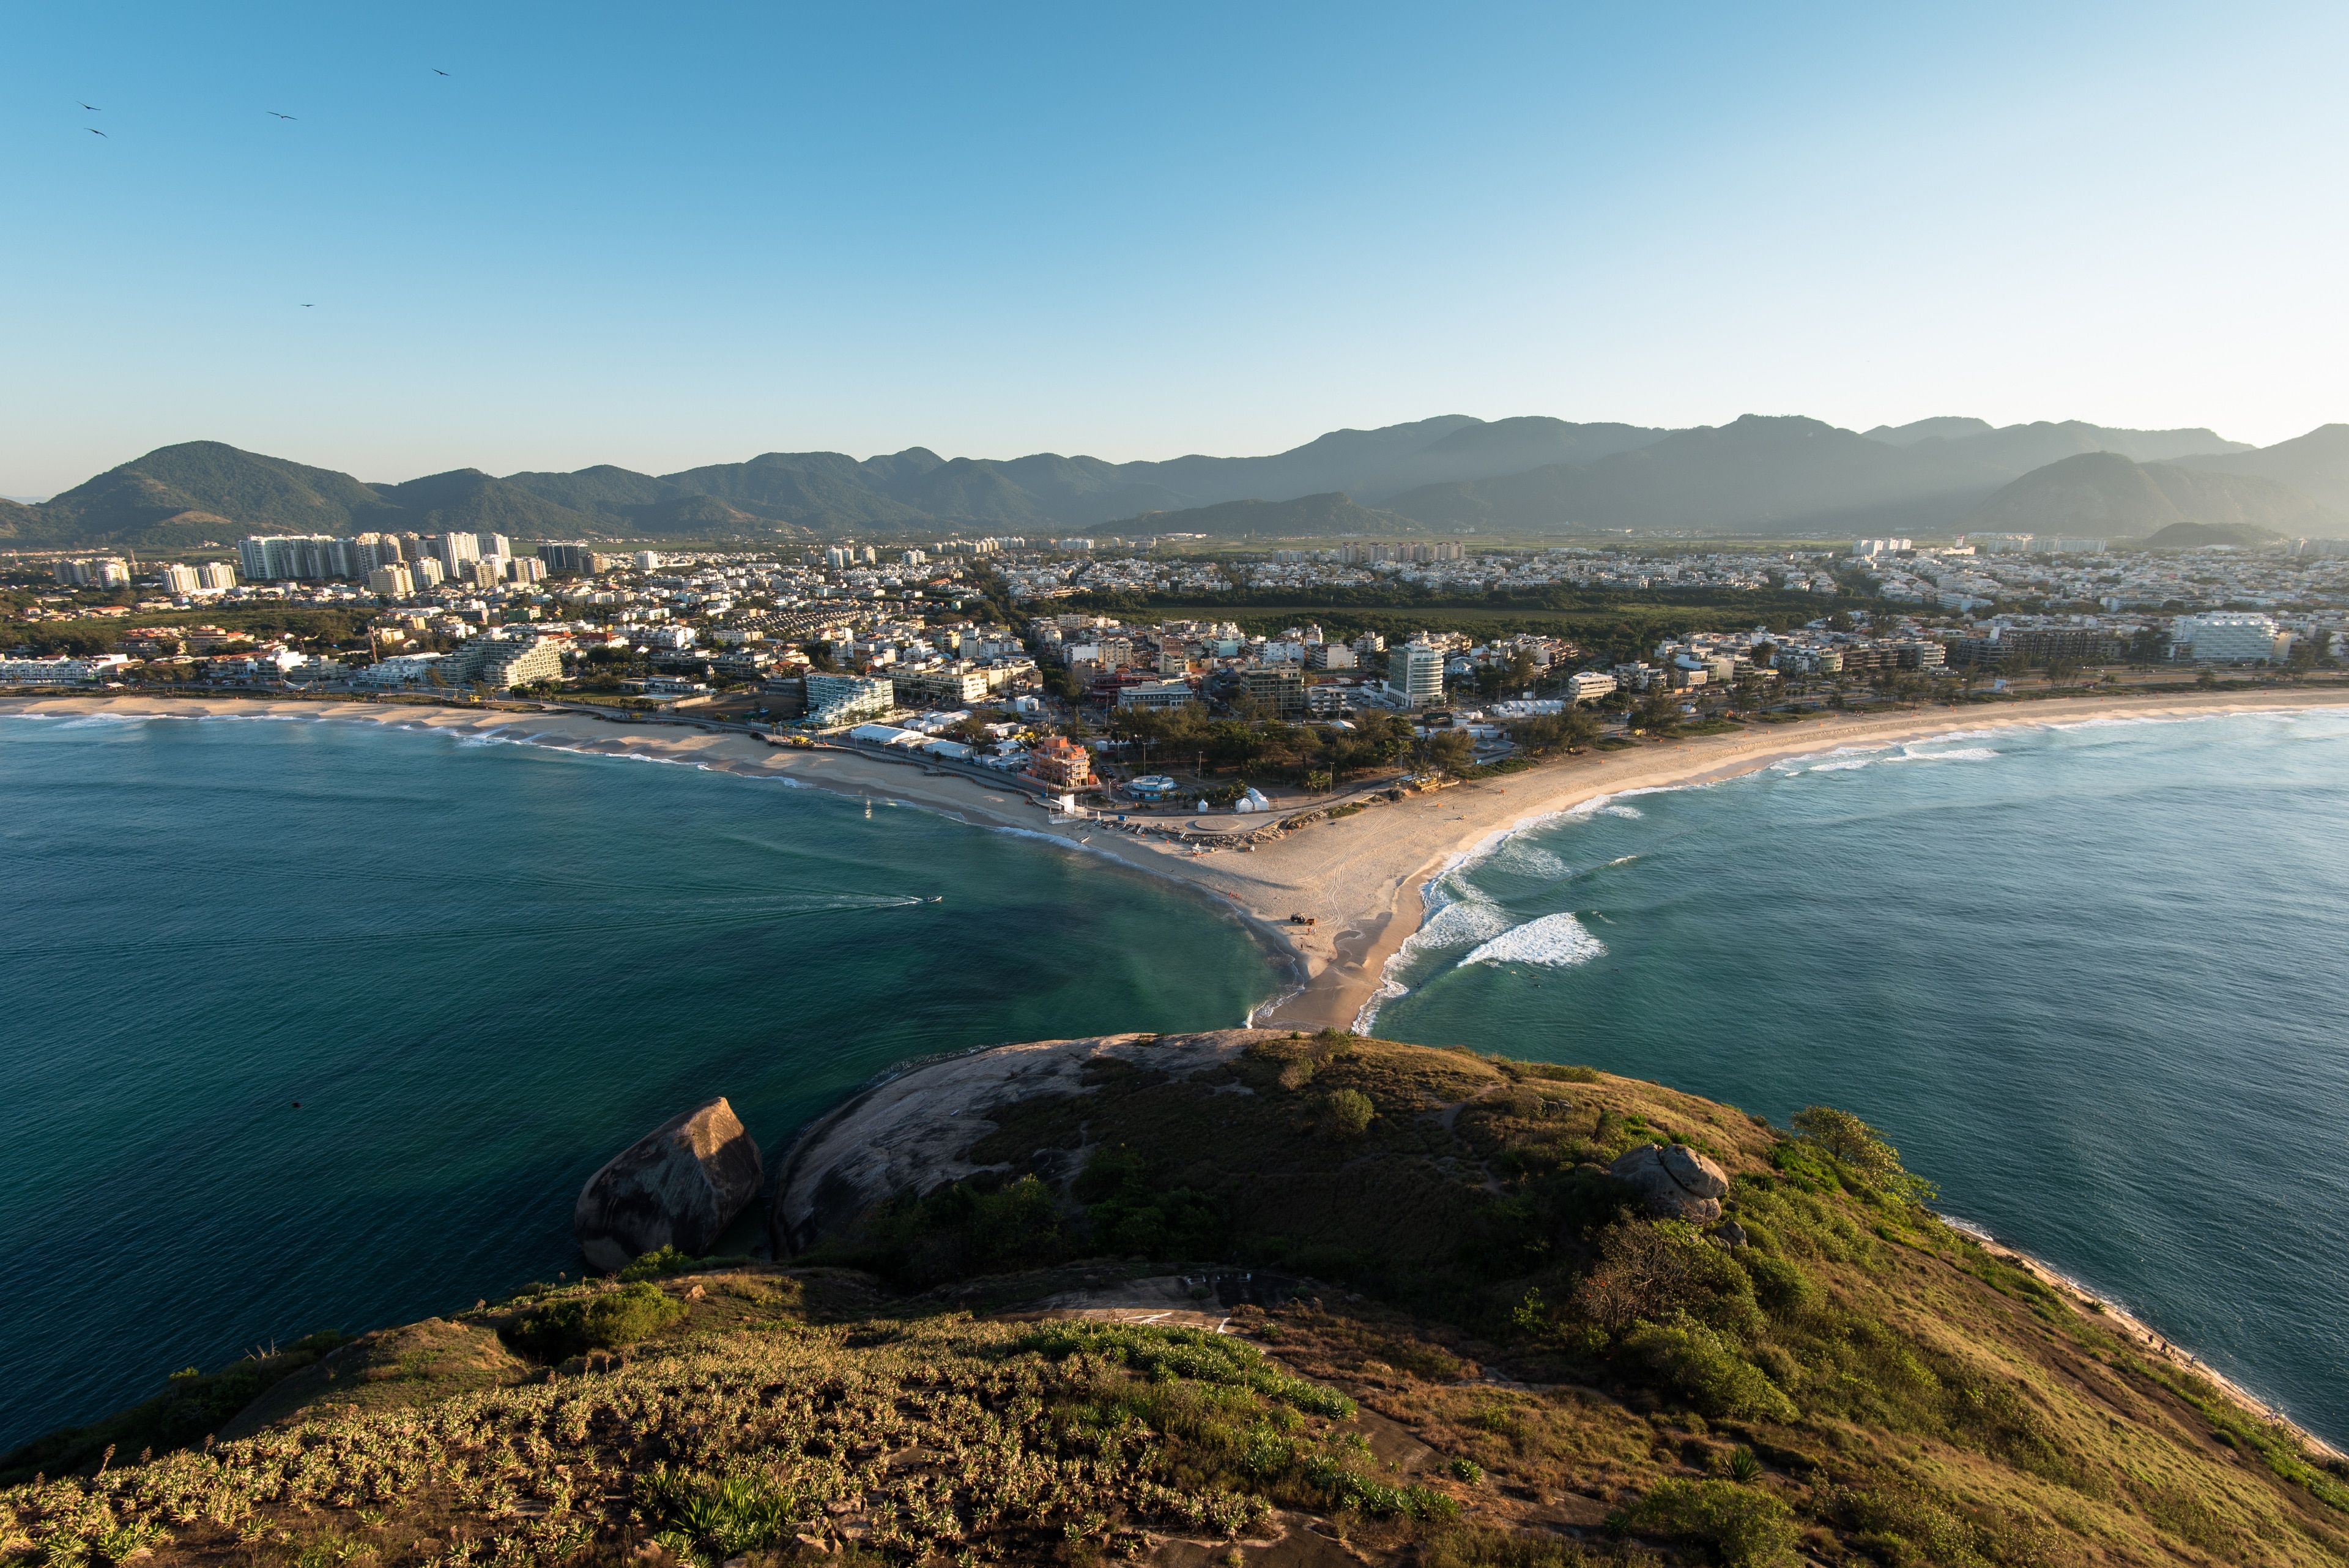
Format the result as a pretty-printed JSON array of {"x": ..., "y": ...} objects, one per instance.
[
  {"x": 1674, "y": 1181},
  {"x": 679, "y": 1186},
  {"x": 915, "y": 1131}
]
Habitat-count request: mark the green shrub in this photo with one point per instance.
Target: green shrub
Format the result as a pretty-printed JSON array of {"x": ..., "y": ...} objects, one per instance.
[
  {"x": 1463, "y": 1468},
  {"x": 657, "y": 1264},
  {"x": 1169, "y": 1353},
  {"x": 1557, "y": 1072},
  {"x": 1129, "y": 1211},
  {"x": 1704, "y": 1367},
  {"x": 1351, "y": 1112},
  {"x": 1780, "y": 1285},
  {"x": 1349, "y": 1489},
  {"x": 705, "y": 1521},
  {"x": 980, "y": 1226},
  {"x": 576, "y": 1324},
  {"x": 1748, "y": 1527}
]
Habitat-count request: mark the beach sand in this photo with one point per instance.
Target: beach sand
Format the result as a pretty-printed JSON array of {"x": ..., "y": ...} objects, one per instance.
[{"x": 1359, "y": 877}]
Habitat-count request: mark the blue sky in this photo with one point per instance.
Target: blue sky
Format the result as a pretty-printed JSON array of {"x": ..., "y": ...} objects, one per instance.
[{"x": 660, "y": 236}]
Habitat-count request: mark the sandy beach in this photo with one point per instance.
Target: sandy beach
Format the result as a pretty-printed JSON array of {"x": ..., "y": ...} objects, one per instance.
[{"x": 1359, "y": 877}]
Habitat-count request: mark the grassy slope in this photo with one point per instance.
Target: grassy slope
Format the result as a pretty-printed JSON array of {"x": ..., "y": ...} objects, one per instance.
[{"x": 1858, "y": 1381}]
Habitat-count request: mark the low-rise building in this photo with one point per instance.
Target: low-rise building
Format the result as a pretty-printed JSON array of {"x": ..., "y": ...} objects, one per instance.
[
  {"x": 833, "y": 699},
  {"x": 1589, "y": 686},
  {"x": 1062, "y": 763},
  {"x": 59, "y": 672},
  {"x": 951, "y": 684},
  {"x": 1157, "y": 694}
]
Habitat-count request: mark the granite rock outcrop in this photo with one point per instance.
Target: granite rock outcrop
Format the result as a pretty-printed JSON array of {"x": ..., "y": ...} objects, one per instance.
[
  {"x": 679, "y": 1186},
  {"x": 1674, "y": 1181}
]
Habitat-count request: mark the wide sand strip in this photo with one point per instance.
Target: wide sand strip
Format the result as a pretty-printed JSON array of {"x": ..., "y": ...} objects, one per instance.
[{"x": 1359, "y": 877}]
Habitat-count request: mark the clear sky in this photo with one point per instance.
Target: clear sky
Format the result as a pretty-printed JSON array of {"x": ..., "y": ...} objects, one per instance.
[{"x": 662, "y": 235}]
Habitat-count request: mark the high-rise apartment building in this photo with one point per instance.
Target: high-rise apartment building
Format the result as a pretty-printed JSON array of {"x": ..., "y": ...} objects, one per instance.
[
  {"x": 458, "y": 552},
  {"x": 1420, "y": 666},
  {"x": 179, "y": 580},
  {"x": 392, "y": 582}
]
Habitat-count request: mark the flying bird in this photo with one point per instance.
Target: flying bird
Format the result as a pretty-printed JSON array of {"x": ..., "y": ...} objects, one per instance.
[
  {"x": 91, "y": 107},
  {"x": 307, "y": 305},
  {"x": 438, "y": 72},
  {"x": 94, "y": 131},
  {"x": 279, "y": 116}
]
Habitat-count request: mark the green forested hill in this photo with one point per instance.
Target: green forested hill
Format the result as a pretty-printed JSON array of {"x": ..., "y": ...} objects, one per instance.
[{"x": 1282, "y": 1300}]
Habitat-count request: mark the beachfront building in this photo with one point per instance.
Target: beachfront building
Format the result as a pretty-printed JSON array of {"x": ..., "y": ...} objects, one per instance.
[
  {"x": 399, "y": 669},
  {"x": 1277, "y": 690},
  {"x": 2230, "y": 636},
  {"x": 59, "y": 672},
  {"x": 1589, "y": 686},
  {"x": 501, "y": 661},
  {"x": 834, "y": 700},
  {"x": 1415, "y": 671},
  {"x": 1062, "y": 763}
]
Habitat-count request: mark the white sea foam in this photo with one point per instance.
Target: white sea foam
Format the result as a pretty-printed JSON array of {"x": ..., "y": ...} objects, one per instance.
[
  {"x": 1558, "y": 941},
  {"x": 1632, "y": 812},
  {"x": 1962, "y": 754},
  {"x": 1524, "y": 859},
  {"x": 1467, "y": 916},
  {"x": 1842, "y": 768}
]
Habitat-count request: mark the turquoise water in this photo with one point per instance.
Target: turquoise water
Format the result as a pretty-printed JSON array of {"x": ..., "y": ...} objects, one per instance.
[
  {"x": 481, "y": 969},
  {"x": 2090, "y": 978}
]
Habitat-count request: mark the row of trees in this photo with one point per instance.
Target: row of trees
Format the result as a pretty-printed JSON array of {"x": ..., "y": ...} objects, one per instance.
[{"x": 1303, "y": 753}]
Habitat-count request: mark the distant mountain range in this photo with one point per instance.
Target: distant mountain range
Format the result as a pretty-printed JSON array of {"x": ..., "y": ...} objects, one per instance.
[{"x": 1759, "y": 475}]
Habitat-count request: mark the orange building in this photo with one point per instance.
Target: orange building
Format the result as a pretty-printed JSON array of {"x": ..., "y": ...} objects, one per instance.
[{"x": 1062, "y": 763}]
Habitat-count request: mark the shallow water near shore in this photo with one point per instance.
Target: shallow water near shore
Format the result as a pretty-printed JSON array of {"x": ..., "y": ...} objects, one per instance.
[
  {"x": 482, "y": 969},
  {"x": 2091, "y": 978}
]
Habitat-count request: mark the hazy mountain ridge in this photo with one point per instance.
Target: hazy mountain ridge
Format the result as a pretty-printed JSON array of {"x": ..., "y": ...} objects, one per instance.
[
  {"x": 2105, "y": 494},
  {"x": 2316, "y": 464},
  {"x": 1759, "y": 474}
]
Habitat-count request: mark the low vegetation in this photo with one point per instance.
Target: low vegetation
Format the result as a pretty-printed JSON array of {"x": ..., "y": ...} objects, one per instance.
[{"x": 1450, "y": 1338}]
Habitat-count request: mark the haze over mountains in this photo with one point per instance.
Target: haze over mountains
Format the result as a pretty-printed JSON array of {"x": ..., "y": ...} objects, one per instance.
[{"x": 1532, "y": 475}]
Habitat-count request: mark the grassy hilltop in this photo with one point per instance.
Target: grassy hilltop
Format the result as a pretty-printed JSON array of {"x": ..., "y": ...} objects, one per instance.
[{"x": 1452, "y": 1338}]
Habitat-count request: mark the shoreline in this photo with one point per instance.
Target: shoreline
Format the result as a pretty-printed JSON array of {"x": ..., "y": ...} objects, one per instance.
[
  {"x": 1373, "y": 867},
  {"x": 1362, "y": 878},
  {"x": 2145, "y": 1340}
]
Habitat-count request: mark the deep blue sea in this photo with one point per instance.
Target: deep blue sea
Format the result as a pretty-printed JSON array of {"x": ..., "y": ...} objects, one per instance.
[
  {"x": 482, "y": 970},
  {"x": 2093, "y": 980},
  {"x": 2090, "y": 980}
]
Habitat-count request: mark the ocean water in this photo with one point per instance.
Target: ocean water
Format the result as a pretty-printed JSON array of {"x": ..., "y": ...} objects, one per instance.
[
  {"x": 482, "y": 970},
  {"x": 2093, "y": 980}
]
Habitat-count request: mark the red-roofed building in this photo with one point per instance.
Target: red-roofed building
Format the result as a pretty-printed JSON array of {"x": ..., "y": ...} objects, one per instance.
[{"x": 1061, "y": 762}]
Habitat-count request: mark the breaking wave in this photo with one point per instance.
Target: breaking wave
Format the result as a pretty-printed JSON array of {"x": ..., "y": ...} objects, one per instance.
[{"x": 1558, "y": 941}]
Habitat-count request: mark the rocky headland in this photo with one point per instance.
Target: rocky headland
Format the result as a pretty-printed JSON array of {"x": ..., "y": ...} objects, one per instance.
[{"x": 1252, "y": 1296}]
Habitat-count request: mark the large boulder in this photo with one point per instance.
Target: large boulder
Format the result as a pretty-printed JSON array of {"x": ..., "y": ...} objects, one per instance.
[
  {"x": 679, "y": 1186},
  {"x": 1674, "y": 1181}
]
